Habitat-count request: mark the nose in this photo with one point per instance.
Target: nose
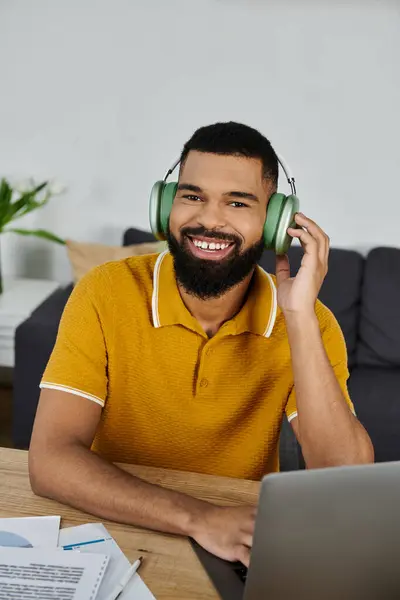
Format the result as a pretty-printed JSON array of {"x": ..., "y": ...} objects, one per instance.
[{"x": 210, "y": 216}]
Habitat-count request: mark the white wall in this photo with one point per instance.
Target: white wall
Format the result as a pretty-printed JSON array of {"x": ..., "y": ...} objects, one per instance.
[{"x": 103, "y": 93}]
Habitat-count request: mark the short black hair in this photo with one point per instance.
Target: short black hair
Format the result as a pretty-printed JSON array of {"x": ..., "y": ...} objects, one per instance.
[{"x": 235, "y": 139}]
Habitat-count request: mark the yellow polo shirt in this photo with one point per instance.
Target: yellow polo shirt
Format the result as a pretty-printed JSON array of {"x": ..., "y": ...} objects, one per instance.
[{"x": 171, "y": 396}]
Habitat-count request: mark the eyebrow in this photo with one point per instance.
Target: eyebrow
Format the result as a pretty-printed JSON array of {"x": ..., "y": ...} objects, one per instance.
[
  {"x": 235, "y": 194},
  {"x": 190, "y": 187},
  {"x": 244, "y": 195}
]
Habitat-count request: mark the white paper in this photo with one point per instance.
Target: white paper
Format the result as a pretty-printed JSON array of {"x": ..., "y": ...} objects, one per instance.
[
  {"x": 38, "y": 573},
  {"x": 30, "y": 532},
  {"x": 94, "y": 537}
]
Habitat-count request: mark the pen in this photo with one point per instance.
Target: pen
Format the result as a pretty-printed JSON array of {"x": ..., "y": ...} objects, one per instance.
[{"x": 119, "y": 588}]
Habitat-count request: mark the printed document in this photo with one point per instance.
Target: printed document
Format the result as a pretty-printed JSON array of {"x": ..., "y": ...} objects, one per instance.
[
  {"x": 94, "y": 537},
  {"x": 38, "y": 573},
  {"x": 30, "y": 532}
]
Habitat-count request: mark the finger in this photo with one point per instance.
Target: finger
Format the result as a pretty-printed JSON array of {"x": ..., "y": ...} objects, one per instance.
[
  {"x": 243, "y": 554},
  {"x": 311, "y": 226},
  {"x": 316, "y": 231},
  {"x": 309, "y": 243},
  {"x": 248, "y": 525},
  {"x": 249, "y": 522},
  {"x": 282, "y": 269},
  {"x": 247, "y": 539},
  {"x": 314, "y": 254},
  {"x": 322, "y": 254}
]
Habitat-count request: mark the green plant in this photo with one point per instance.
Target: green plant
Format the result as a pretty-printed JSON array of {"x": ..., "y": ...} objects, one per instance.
[{"x": 16, "y": 203}]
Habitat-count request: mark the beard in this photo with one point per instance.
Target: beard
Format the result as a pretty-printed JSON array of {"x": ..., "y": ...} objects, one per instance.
[{"x": 207, "y": 279}]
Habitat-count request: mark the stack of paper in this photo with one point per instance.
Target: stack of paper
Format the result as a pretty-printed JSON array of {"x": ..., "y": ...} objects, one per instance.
[
  {"x": 38, "y": 560},
  {"x": 43, "y": 573},
  {"x": 95, "y": 538},
  {"x": 30, "y": 532},
  {"x": 32, "y": 566}
]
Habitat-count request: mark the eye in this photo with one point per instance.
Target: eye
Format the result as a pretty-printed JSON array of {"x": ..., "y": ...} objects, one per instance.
[
  {"x": 239, "y": 205},
  {"x": 192, "y": 197}
]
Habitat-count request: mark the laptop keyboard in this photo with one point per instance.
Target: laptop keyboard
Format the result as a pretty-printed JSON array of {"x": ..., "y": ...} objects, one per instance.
[{"x": 241, "y": 572}]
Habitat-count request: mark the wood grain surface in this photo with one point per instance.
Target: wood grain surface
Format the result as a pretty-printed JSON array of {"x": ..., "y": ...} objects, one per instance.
[{"x": 170, "y": 567}]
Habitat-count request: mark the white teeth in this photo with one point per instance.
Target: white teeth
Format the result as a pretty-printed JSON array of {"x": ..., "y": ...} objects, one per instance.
[{"x": 209, "y": 246}]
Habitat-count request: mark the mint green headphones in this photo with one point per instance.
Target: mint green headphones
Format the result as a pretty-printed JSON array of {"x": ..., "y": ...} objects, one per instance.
[{"x": 280, "y": 211}]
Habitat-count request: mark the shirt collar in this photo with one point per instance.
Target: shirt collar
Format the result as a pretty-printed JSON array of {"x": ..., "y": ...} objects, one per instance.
[{"x": 257, "y": 315}]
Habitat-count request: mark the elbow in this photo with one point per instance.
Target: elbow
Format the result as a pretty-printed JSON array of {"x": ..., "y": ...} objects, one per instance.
[
  {"x": 362, "y": 452},
  {"x": 366, "y": 452},
  {"x": 36, "y": 485},
  {"x": 35, "y": 476},
  {"x": 358, "y": 451},
  {"x": 39, "y": 473}
]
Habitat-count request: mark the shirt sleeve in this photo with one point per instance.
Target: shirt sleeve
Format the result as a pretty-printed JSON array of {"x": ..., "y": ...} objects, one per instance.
[
  {"x": 78, "y": 363},
  {"x": 335, "y": 347}
]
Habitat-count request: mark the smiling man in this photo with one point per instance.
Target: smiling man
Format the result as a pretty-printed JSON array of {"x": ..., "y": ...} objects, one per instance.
[{"x": 188, "y": 359}]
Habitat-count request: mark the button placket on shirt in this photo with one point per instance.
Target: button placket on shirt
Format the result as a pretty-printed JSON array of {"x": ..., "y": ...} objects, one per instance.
[{"x": 203, "y": 381}]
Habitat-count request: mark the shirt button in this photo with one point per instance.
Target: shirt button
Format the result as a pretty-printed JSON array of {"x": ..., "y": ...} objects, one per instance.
[{"x": 204, "y": 383}]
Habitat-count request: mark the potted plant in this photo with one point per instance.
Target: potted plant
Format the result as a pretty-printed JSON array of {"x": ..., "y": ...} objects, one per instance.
[{"x": 18, "y": 201}]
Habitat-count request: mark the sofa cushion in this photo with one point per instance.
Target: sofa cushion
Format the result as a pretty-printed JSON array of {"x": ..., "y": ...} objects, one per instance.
[
  {"x": 34, "y": 342},
  {"x": 84, "y": 256},
  {"x": 340, "y": 291},
  {"x": 49, "y": 312},
  {"x": 137, "y": 236},
  {"x": 375, "y": 393},
  {"x": 379, "y": 329}
]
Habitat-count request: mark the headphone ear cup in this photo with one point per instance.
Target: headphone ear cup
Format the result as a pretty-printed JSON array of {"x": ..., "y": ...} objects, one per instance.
[
  {"x": 281, "y": 211},
  {"x": 161, "y": 200},
  {"x": 274, "y": 210},
  {"x": 167, "y": 200},
  {"x": 154, "y": 209}
]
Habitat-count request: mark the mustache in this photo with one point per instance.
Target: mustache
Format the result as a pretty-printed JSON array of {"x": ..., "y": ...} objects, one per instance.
[{"x": 210, "y": 233}]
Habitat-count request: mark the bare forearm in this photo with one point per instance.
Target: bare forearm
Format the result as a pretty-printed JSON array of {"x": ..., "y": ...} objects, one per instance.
[
  {"x": 91, "y": 484},
  {"x": 328, "y": 431}
]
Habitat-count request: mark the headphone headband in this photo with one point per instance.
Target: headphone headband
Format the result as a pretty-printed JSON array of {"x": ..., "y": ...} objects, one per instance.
[
  {"x": 290, "y": 179},
  {"x": 172, "y": 169},
  {"x": 282, "y": 162}
]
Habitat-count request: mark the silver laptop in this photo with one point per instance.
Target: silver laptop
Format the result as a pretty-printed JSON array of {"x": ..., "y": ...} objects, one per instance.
[{"x": 323, "y": 534}]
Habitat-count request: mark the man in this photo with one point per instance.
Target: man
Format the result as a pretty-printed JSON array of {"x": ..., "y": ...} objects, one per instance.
[{"x": 188, "y": 359}]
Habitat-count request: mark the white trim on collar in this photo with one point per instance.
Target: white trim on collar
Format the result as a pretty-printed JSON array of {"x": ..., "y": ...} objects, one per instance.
[
  {"x": 156, "y": 285},
  {"x": 274, "y": 307},
  {"x": 156, "y": 282}
]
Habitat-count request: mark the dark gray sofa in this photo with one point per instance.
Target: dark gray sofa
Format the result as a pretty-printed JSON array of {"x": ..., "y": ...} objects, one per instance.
[{"x": 363, "y": 293}]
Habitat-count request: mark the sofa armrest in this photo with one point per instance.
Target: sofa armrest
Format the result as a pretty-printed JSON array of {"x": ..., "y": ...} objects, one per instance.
[{"x": 34, "y": 342}]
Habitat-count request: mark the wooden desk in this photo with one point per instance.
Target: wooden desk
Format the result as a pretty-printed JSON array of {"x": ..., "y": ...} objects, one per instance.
[{"x": 170, "y": 569}]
